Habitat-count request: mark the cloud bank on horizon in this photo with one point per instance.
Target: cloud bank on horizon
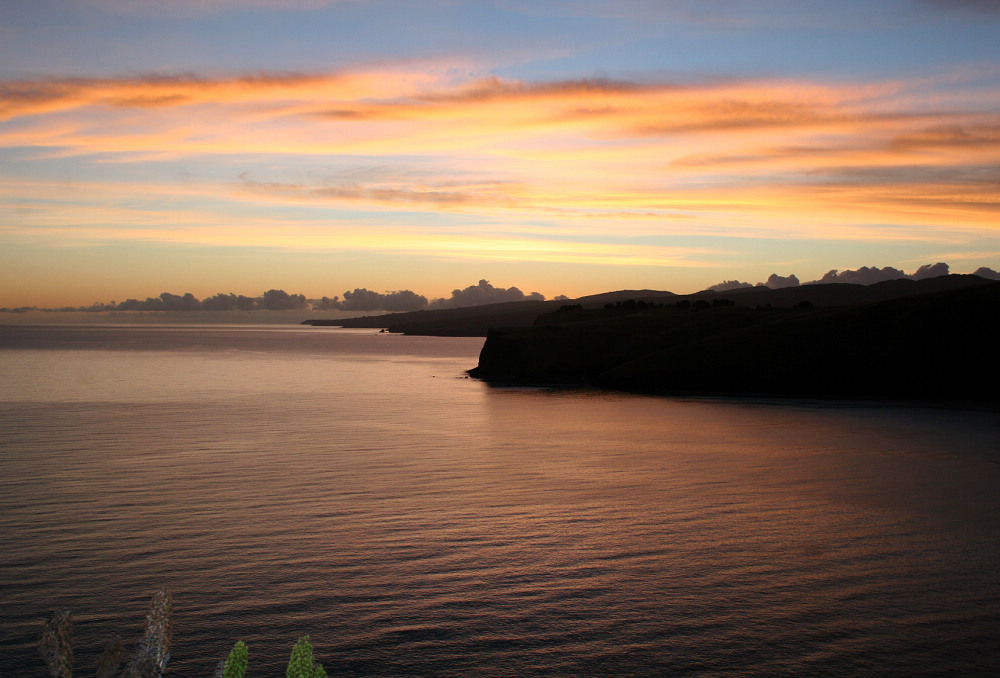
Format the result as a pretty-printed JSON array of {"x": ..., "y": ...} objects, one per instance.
[
  {"x": 862, "y": 276},
  {"x": 577, "y": 146}
]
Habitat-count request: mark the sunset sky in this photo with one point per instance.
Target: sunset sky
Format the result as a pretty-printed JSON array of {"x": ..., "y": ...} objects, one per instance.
[{"x": 565, "y": 147}]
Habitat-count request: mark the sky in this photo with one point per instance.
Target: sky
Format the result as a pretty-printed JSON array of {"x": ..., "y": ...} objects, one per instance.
[{"x": 563, "y": 147}]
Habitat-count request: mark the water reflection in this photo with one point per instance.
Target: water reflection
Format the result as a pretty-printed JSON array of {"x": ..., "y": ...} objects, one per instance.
[{"x": 417, "y": 523}]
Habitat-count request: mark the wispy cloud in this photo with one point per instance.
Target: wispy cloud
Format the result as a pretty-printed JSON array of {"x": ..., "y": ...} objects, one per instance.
[{"x": 815, "y": 159}]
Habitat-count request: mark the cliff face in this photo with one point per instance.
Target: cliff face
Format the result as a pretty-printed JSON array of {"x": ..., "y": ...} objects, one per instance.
[{"x": 936, "y": 345}]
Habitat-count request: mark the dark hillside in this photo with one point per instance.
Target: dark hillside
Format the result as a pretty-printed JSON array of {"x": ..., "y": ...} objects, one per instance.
[
  {"x": 471, "y": 321},
  {"x": 475, "y": 321},
  {"x": 842, "y": 294},
  {"x": 935, "y": 345}
]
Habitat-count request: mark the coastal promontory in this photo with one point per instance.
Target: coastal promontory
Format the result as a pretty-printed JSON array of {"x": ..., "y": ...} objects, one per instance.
[{"x": 931, "y": 339}]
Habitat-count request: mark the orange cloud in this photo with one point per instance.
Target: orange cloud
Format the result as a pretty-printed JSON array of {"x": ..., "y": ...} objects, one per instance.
[{"x": 809, "y": 159}]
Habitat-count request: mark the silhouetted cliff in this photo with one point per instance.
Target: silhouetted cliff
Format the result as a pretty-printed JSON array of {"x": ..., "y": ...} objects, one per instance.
[
  {"x": 475, "y": 321},
  {"x": 940, "y": 344}
]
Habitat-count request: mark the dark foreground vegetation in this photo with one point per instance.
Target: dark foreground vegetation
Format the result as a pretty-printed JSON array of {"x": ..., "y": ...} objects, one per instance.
[
  {"x": 936, "y": 338},
  {"x": 152, "y": 654}
]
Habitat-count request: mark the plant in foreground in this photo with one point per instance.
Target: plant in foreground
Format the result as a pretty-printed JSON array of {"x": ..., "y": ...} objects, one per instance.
[
  {"x": 301, "y": 664},
  {"x": 111, "y": 658},
  {"x": 154, "y": 651},
  {"x": 234, "y": 666},
  {"x": 150, "y": 660},
  {"x": 56, "y": 644}
]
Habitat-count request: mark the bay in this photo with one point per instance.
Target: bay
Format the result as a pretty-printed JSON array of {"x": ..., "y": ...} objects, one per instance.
[{"x": 359, "y": 488}]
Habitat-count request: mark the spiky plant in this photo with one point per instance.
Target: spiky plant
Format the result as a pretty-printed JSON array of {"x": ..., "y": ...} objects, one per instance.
[
  {"x": 301, "y": 664},
  {"x": 150, "y": 661},
  {"x": 160, "y": 626},
  {"x": 151, "y": 658},
  {"x": 56, "y": 644},
  {"x": 111, "y": 658}
]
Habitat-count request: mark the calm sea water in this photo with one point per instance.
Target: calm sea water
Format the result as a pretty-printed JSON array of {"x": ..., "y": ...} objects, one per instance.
[{"x": 356, "y": 487}]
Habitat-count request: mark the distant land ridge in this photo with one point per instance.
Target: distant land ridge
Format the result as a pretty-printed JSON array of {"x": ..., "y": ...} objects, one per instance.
[
  {"x": 476, "y": 321},
  {"x": 935, "y": 338}
]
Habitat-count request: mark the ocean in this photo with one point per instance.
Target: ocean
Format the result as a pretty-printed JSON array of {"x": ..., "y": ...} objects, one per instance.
[{"x": 360, "y": 489}]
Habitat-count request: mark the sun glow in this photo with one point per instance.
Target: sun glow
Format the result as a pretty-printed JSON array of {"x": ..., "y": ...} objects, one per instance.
[{"x": 576, "y": 172}]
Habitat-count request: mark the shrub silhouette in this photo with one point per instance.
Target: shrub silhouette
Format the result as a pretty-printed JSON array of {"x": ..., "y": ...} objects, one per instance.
[
  {"x": 150, "y": 661},
  {"x": 301, "y": 664},
  {"x": 56, "y": 644},
  {"x": 154, "y": 651},
  {"x": 111, "y": 658},
  {"x": 236, "y": 665}
]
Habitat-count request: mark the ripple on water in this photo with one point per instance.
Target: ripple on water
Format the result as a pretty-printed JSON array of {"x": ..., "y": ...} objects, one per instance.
[{"x": 283, "y": 484}]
